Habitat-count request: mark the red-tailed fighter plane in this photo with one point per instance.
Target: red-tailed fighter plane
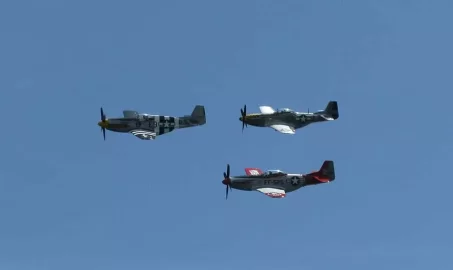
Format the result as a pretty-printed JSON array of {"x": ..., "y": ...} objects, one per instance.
[{"x": 276, "y": 183}]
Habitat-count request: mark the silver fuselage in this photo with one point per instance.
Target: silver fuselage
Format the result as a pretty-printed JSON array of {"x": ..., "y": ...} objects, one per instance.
[
  {"x": 294, "y": 119},
  {"x": 288, "y": 182},
  {"x": 155, "y": 123}
]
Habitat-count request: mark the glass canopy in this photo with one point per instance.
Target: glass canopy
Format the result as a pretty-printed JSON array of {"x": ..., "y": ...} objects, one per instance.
[
  {"x": 274, "y": 172},
  {"x": 285, "y": 110}
]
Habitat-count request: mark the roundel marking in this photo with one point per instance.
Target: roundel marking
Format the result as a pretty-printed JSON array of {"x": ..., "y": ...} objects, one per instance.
[{"x": 295, "y": 181}]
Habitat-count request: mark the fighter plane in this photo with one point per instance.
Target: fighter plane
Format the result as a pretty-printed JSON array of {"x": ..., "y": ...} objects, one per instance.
[
  {"x": 276, "y": 183},
  {"x": 286, "y": 120},
  {"x": 148, "y": 127}
]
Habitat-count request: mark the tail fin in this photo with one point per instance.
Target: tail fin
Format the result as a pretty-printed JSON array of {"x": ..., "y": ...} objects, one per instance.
[
  {"x": 326, "y": 173},
  {"x": 199, "y": 114},
  {"x": 332, "y": 109},
  {"x": 330, "y": 112}
]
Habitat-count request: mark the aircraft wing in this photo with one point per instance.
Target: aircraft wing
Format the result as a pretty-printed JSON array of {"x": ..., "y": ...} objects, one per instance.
[
  {"x": 284, "y": 129},
  {"x": 143, "y": 134},
  {"x": 130, "y": 114},
  {"x": 266, "y": 110},
  {"x": 253, "y": 171},
  {"x": 273, "y": 192}
]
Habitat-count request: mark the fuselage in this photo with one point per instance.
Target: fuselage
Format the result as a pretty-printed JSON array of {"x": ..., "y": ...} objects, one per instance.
[
  {"x": 295, "y": 119},
  {"x": 155, "y": 123},
  {"x": 288, "y": 182}
]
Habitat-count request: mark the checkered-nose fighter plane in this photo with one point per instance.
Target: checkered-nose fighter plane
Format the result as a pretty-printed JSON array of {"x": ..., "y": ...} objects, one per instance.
[
  {"x": 276, "y": 183},
  {"x": 148, "y": 127},
  {"x": 286, "y": 120}
]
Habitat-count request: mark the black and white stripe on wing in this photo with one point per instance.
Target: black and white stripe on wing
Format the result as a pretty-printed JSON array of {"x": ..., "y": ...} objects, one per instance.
[{"x": 143, "y": 134}]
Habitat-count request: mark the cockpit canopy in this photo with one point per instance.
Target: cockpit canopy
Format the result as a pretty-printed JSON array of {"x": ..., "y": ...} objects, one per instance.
[
  {"x": 274, "y": 172},
  {"x": 285, "y": 110},
  {"x": 145, "y": 116}
]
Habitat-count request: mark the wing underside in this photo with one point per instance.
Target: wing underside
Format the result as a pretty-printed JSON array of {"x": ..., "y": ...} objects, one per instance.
[
  {"x": 284, "y": 129},
  {"x": 143, "y": 134},
  {"x": 273, "y": 192}
]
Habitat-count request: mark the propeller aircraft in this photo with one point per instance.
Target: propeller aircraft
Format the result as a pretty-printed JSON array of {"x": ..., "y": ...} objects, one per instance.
[
  {"x": 276, "y": 183},
  {"x": 148, "y": 127},
  {"x": 286, "y": 120}
]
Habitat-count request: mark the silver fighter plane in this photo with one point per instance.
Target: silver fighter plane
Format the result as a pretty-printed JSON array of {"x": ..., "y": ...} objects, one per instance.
[
  {"x": 286, "y": 120},
  {"x": 148, "y": 127},
  {"x": 276, "y": 183}
]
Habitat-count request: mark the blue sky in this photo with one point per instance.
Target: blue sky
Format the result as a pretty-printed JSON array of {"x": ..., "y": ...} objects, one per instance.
[{"x": 69, "y": 200}]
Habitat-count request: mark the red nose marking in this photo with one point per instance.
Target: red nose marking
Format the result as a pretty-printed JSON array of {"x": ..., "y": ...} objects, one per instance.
[{"x": 226, "y": 181}]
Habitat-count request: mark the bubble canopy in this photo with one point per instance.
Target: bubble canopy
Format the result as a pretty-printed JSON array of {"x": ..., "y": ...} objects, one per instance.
[
  {"x": 285, "y": 110},
  {"x": 274, "y": 172}
]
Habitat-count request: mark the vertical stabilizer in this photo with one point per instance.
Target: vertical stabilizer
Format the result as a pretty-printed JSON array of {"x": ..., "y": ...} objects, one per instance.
[
  {"x": 199, "y": 114},
  {"x": 325, "y": 175},
  {"x": 332, "y": 109}
]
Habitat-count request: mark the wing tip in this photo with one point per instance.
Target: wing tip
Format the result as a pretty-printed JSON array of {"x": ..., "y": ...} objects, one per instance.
[
  {"x": 276, "y": 196},
  {"x": 273, "y": 192}
]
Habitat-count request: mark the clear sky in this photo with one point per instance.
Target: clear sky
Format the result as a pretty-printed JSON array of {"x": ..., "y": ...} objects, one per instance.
[{"x": 69, "y": 200}]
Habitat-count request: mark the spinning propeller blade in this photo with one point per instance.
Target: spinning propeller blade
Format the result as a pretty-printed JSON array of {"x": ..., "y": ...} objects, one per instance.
[
  {"x": 103, "y": 119},
  {"x": 244, "y": 114},
  {"x": 227, "y": 180}
]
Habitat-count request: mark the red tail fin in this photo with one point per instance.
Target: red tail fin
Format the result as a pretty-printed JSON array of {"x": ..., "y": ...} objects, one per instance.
[{"x": 326, "y": 173}]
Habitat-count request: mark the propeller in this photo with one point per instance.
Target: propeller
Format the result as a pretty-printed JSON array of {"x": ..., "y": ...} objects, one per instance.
[
  {"x": 244, "y": 114},
  {"x": 227, "y": 181},
  {"x": 103, "y": 120}
]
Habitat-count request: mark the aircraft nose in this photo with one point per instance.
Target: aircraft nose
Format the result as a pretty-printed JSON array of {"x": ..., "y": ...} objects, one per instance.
[
  {"x": 226, "y": 181},
  {"x": 240, "y": 118},
  {"x": 103, "y": 124}
]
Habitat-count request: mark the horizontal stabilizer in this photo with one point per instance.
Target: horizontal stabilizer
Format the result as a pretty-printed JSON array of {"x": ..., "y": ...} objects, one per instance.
[{"x": 326, "y": 173}]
